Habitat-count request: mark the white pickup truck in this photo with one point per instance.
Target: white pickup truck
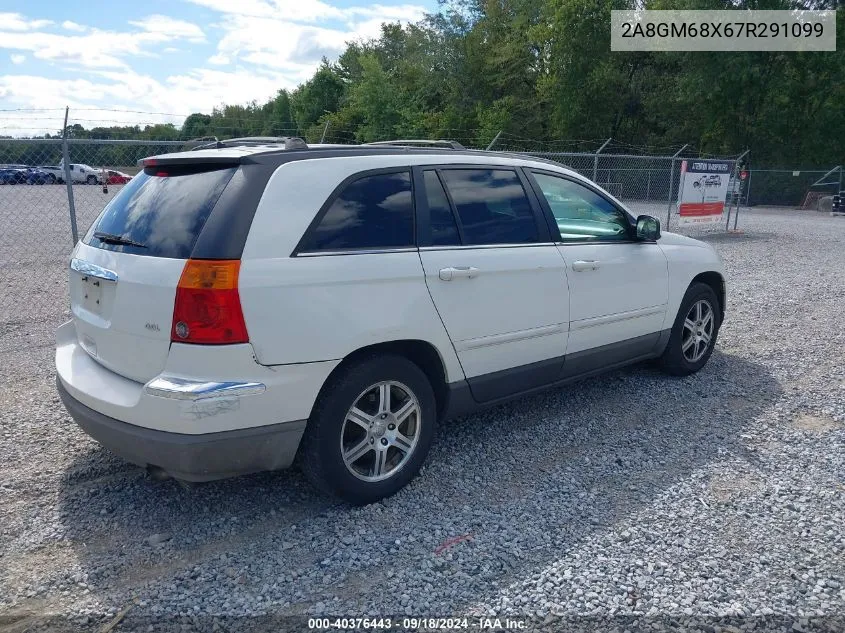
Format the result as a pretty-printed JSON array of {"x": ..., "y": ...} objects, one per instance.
[{"x": 78, "y": 173}]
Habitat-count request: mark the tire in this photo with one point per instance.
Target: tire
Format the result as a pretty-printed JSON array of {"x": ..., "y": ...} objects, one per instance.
[
  {"x": 91, "y": 180},
  {"x": 678, "y": 361},
  {"x": 51, "y": 179},
  {"x": 329, "y": 429}
]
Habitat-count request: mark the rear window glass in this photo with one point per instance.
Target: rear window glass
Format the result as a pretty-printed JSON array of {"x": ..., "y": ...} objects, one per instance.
[{"x": 160, "y": 212}]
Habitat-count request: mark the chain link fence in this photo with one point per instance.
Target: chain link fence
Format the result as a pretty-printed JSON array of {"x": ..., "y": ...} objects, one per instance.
[
  {"x": 36, "y": 234},
  {"x": 41, "y": 194}
]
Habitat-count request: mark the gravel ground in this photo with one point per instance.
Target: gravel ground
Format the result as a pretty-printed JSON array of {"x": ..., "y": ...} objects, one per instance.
[{"x": 631, "y": 500}]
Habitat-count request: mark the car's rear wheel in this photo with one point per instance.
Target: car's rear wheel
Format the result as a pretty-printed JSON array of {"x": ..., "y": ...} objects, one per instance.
[
  {"x": 51, "y": 179},
  {"x": 693, "y": 333},
  {"x": 370, "y": 430}
]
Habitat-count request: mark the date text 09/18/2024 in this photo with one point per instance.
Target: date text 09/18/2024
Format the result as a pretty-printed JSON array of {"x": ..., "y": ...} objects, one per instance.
[{"x": 417, "y": 623}]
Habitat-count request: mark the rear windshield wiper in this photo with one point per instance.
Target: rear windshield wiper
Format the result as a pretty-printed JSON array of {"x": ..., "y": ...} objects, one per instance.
[{"x": 110, "y": 238}]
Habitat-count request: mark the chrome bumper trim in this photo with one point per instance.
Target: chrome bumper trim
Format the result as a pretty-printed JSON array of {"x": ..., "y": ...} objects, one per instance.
[
  {"x": 182, "y": 389},
  {"x": 92, "y": 270}
]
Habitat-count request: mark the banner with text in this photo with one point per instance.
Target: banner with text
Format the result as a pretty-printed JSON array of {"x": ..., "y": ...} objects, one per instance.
[{"x": 702, "y": 190}]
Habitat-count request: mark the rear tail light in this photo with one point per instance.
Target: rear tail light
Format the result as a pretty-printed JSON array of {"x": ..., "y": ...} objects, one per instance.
[{"x": 208, "y": 307}]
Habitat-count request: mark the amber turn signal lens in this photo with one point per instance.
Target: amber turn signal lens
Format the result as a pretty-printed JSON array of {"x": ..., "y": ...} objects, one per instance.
[{"x": 211, "y": 274}]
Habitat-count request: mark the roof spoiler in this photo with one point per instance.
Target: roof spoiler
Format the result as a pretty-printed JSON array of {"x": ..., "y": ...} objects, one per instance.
[{"x": 188, "y": 158}]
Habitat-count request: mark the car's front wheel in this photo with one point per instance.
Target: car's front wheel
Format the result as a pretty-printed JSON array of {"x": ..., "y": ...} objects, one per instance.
[
  {"x": 694, "y": 332},
  {"x": 370, "y": 430},
  {"x": 91, "y": 180}
]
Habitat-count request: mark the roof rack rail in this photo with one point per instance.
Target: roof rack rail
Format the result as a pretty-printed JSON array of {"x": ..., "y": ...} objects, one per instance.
[
  {"x": 289, "y": 142},
  {"x": 421, "y": 143}
]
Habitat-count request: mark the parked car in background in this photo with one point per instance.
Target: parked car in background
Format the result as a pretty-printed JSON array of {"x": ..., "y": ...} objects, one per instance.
[
  {"x": 38, "y": 176},
  {"x": 221, "y": 325},
  {"x": 80, "y": 173},
  {"x": 117, "y": 177},
  {"x": 12, "y": 176},
  {"x": 55, "y": 173}
]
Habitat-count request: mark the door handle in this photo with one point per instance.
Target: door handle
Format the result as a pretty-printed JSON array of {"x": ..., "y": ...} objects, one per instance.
[
  {"x": 453, "y": 272},
  {"x": 582, "y": 265}
]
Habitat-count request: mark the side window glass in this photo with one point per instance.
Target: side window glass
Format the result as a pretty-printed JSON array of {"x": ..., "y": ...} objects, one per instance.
[
  {"x": 492, "y": 206},
  {"x": 580, "y": 213},
  {"x": 444, "y": 230},
  {"x": 372, "y": 212}
]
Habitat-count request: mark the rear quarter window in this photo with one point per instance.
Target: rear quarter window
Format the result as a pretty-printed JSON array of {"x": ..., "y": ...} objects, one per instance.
[
  {"x": 162, "y": 211},
  {"x": 372, "y": 212}
]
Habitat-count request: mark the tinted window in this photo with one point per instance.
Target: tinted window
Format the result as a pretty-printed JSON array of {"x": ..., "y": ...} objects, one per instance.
[
  {"x": 371, "y": 212},
  {"x": 491, "y": 205},
  {"x": 444, "y": 231},
  {"x": 164, "y": 213},
  {"x": 580, "y": 213}
]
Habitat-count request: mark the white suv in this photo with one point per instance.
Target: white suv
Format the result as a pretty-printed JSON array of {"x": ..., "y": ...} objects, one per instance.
[{"x": 237, "y": 307}]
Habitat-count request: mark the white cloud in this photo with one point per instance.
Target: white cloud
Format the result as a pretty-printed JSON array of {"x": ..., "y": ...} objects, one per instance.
[
  {"x": 169, "y": 27},
  {"x": 285, "y": 42},
  {"x": 73, "y": 26},
  {"x": 98, "y": 49},
  {"x": 261, "y": 47},
  {"x": 17, "y": 22},
  {"x": 309, "y": 11},
  {"x": 297, "y": 10},
  {"x": 123, "y": 91},
  {"x": 103, "y": 49}
]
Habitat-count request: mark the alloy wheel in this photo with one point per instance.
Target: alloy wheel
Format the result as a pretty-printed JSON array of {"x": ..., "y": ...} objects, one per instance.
[
  {"x": 380, "y": 431},
  {"x": 698, "y": 330}
]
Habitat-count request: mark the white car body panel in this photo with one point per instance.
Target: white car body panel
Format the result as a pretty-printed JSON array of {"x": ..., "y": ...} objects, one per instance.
[
  {"x": 622, "y": 297},
  {"x": 129, "y": 330},
  {"x": 514, "y": 311},
  {"x": 289, "y": 395},
  {"x": 305, "y": 309},
  {"x": 687, "y": 258}
]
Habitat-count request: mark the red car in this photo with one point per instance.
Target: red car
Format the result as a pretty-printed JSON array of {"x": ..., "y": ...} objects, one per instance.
[{"x": 117, "y": 177}]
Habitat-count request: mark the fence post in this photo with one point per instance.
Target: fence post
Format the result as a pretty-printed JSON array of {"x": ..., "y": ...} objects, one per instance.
[
  {"x": 748, "y": 190},
  {"x": 736, "y": 175},
  {"x": 69, "y": 182},
  {"x": 325, "y": 129},
  {"x": 672, "y": 184},
  {"x": 596, "y": 160},
  {"x": 493, "y": 142}
]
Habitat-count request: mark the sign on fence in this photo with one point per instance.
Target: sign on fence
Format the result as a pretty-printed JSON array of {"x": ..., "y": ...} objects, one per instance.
[{"x": 702, "y": 190}]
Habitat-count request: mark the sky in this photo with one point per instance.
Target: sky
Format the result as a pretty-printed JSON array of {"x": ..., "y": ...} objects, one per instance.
[{"x": 119, "y": 62}]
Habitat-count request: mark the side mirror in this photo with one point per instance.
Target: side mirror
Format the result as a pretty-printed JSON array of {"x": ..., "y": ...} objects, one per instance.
[{"x": 648, "y": 228}]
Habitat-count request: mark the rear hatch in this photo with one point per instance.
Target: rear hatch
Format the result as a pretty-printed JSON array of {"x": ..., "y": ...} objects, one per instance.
[{"x": 124, "y": 273}]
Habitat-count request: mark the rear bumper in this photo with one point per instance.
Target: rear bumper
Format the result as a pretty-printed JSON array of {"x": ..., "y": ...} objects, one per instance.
[
  {"x": 192, "y": 457},
  {"x": 201, "y": 390}
]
